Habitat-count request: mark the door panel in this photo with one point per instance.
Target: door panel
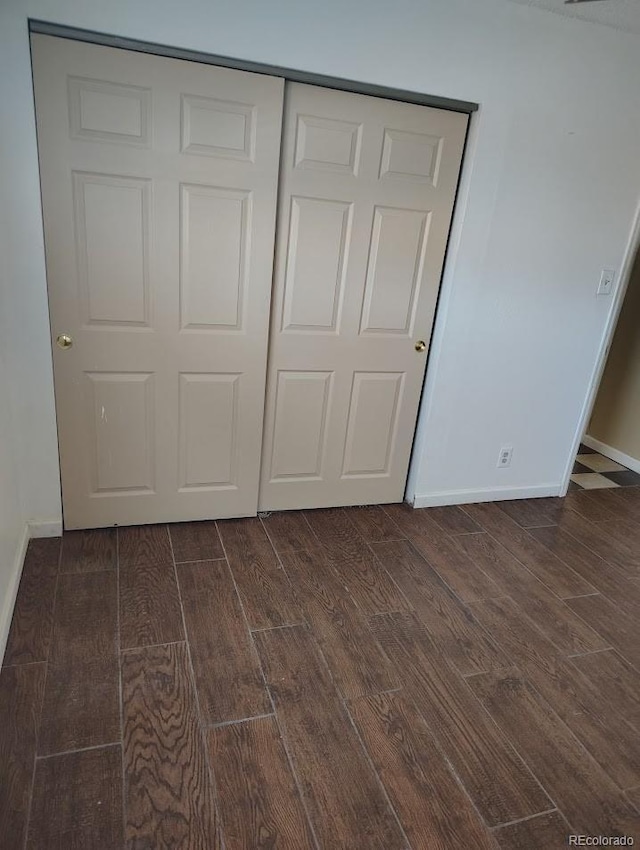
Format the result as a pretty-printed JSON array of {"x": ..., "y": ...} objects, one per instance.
[
  {"x": 315, "y": 282},
  {"x": 302, "y": 401},
  {"x": 394, "y": 270},
  {"x": 214, "y": 243},
  {"x": 112, "y": 218},
  {"x": 159, "y": 181},
  {"x": 366, "y": 195},
  {"x": 372, "y": 423},
  {"x": 122, "y": 404},
  {"x": 207, "y": 428}
]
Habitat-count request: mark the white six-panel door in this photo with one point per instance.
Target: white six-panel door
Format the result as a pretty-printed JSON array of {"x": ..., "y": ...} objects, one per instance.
[
  {"x": 367, "y": 188},
  {"x": 159, "y": 181}
]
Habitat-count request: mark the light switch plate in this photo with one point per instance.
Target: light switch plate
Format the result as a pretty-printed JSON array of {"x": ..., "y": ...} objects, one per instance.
[{"x": 607, "y": 278}]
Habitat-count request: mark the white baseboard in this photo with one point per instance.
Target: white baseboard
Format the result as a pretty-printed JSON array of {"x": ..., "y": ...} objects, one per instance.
[
  {"x": 45, "y": 528},
  {"x": 497, "y": 494},
  {"x": 12, "y": 591},
  {"x": 40, "y": 528},
  {"x": 611, "y": 453}
]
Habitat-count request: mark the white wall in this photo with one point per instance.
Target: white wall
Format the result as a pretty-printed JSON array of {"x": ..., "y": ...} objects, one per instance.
[
  {"x": 25, "y": 325},
  {"x": 12, "y": 516},
  {"x": 551, "y": 184},
  {"x": 28, "y": 450},
  {"x": 12, "y": 521}
]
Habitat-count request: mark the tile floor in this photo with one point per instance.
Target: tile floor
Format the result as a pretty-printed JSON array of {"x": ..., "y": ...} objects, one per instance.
[
  {"x": 349, "y": 679},
  {"x": 593, "y": 471}
]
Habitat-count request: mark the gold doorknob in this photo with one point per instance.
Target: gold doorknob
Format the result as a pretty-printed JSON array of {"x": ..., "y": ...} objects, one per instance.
[
  {"x": 64, "y": 341},
  {"x": 420, "y": 345}
]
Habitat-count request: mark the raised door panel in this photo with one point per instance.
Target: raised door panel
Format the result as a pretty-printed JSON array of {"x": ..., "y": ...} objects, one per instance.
[
  {"x": 315, "y": 279},
  {"x": 394, "y": 270},
  {"x": 372, "y": 423},
  {"x": 302, "y": 404},
  {"x": 121, "y": 411},
  {"x": 112, "y": 226},
  {"x": 208, "y": 428},
  {"x": 105, "y": 111},
  {"x": 218, "y": 128},
  {"x": 214, "y": 249},
  {"x": 410, "y": 156},
  {"x": 327, "y": 145}
]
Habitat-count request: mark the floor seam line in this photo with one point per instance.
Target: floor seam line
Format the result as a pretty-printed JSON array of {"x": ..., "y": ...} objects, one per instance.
[
  {"x": 525, "y": 819},
  {"x": 107, "y": 745}
]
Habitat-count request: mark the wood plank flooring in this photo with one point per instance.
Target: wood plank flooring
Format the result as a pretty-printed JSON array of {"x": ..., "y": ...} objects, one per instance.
[{"x": 378, "y": 678}]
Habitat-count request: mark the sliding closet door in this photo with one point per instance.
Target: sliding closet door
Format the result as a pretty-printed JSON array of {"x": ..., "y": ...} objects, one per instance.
[
  {"x": 159, "y": 181},
  {"x": 366, "y": 195}
]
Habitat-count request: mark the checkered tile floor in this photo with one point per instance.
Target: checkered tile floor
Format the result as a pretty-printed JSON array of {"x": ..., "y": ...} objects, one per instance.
[{"x": 592, "y": 471}]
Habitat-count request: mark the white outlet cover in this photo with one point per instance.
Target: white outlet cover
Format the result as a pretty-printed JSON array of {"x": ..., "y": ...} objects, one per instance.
[{"x": 504, "y": 457}]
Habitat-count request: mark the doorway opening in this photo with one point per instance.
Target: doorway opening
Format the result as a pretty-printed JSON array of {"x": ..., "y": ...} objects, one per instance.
[
  {"x": 164, "y": 203},
  {"x": 609, "y": 453}
]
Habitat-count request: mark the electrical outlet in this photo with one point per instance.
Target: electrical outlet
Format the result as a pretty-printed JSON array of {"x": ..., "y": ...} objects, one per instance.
[
  {"x": 607, "y": 277},
  {"x": 504, "y": 458}
]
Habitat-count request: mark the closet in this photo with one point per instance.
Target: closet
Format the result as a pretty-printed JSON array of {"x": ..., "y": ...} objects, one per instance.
[{"x": 194, "y": 376}]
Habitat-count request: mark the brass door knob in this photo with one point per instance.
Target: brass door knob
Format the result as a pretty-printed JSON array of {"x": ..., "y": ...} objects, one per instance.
[
  {"x": 64, "y": 341},
  {"x": 420, "y": 345}
]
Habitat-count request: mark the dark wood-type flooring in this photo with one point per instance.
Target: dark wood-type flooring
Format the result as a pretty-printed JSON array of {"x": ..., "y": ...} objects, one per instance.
[{"x": 346, "y": 679}]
